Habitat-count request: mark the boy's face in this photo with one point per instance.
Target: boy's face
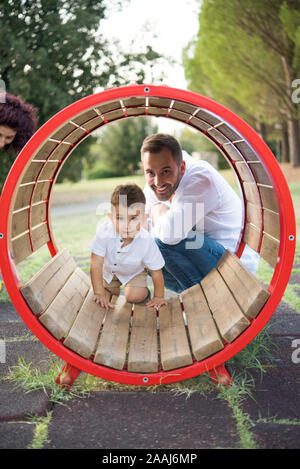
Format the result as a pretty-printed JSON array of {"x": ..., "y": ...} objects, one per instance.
[{"x": 128, "y": 220}]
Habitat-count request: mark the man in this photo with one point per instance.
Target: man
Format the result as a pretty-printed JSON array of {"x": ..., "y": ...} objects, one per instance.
[{"x": 195, "y": 214}]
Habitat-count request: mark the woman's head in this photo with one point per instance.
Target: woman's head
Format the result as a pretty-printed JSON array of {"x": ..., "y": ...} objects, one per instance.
[{"x": 18, "y": 123}]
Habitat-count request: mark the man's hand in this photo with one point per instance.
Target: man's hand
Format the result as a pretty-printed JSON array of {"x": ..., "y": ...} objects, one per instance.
[{"x": 157, "y": 211}]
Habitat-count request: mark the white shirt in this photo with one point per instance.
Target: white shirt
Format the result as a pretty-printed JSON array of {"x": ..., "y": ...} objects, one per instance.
[
  {"x": 204, "y": 201},
  {"x": 128, "y": 261}
]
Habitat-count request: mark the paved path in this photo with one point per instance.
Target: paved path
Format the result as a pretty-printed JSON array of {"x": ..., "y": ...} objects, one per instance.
[{"x": 143, "y": 419}]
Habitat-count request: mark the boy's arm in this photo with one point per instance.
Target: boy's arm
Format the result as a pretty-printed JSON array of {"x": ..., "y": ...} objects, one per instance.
[
  {"x": 96, "y": 270},
  {"x": 159, "y": 288}
]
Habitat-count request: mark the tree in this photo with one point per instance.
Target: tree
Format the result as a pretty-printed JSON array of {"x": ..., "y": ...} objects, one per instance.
[
  {"x": 120, "y": 145},
  {"x": 52, "y": 54},
  {"x": 249, "y": 58}
]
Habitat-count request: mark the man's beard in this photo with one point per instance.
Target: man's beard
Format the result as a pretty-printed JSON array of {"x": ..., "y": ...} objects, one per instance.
[{"x": 169, "y": 190}]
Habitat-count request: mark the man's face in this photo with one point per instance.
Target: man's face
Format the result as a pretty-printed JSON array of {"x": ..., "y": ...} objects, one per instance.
[{"x": 162, "y": 173}]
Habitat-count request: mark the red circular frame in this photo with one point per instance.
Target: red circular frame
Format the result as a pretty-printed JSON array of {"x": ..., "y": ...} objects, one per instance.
[{"x": 281, "y": 272}]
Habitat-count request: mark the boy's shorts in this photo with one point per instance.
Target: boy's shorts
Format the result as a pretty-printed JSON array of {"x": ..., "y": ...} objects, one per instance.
[{"x": 140, "y": 280}]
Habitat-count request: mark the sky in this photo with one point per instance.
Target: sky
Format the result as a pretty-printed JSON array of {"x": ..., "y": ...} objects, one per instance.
[{"x": 166, "y": 25}]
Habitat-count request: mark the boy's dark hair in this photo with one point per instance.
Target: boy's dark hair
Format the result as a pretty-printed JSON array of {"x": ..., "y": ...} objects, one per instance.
[
  {"x": 155, "y": 143},
  {"x": 133, "y": 193}
]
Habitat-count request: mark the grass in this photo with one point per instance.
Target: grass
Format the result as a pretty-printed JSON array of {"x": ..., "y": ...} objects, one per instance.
[{"x": 75, "y": 234}]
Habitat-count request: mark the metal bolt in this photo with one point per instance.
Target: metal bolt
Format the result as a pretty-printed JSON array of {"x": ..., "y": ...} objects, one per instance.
[
  {"x": 146, "y": 89},
  {"x": 291, "y": 237},
  {"x": 145, "y": 379}
]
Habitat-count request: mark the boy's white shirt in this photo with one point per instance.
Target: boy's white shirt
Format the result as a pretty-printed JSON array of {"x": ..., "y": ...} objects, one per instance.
[
  {"x": 129, "y": 261},
  {"x": 203, "y": 200}
]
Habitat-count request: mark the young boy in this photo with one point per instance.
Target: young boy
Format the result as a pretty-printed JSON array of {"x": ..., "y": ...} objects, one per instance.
[{"x": 123, "y": 250}]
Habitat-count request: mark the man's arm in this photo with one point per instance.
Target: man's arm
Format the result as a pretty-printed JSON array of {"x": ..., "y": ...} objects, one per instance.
[{"x": 157, "y": 211}]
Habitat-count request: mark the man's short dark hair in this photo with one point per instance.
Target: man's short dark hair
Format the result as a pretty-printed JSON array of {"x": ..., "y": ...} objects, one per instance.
[{"x": 155, "y": 143}]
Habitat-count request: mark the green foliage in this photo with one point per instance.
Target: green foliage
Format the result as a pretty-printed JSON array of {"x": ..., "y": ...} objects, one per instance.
[
  {"x": 120, "y": 145},
  {"x": 53, "y": 53},
  {"x": 247, "y": 58}
]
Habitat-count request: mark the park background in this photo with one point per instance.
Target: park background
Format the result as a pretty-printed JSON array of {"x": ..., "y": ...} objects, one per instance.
[{"x": 244, "y": 55}]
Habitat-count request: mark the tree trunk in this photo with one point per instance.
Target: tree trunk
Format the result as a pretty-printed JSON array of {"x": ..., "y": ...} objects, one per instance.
[
  {"x": 294, "y": 141},
  {"x": 292, "y": 114},
  {"x": 285, "y": 151}
]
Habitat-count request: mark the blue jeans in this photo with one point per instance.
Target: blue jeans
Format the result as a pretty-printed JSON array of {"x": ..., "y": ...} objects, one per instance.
[{"x": 186, "y": 263}]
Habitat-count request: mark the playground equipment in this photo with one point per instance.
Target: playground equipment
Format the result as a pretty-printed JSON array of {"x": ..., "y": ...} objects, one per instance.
[{"x": 200, "y": 329}]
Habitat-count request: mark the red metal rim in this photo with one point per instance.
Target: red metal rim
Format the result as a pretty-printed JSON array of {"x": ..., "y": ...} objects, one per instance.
[{"x": 278, "y": 282}]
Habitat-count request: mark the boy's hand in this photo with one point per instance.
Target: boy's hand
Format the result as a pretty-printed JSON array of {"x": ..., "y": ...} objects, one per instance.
[
  {"x": 157, "y": 301},
  {"x": 102, "y": 301}
]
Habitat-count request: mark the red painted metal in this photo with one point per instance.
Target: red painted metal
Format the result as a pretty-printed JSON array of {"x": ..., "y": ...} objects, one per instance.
[
  {"x": 220, "y": 376},
  {"x": 281, "y": 272}
]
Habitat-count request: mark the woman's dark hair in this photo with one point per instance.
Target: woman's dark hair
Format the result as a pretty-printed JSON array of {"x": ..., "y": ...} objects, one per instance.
[{"x": 19, "y": 116}]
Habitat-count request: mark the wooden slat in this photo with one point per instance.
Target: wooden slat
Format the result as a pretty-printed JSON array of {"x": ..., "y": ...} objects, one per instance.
[
  {"x": 143, "y": 353},
  {"x": 249, "y": 293},
  {"x": 113, "y": 341},
  {"x": 207, "y": 117},
  {"x": 260, "y": 173},
  {"x": 225, "y": 310},
  {"x": 48, "y": 170},
  {"x": 85, "y": 116},
  {"x": 107, "y": 107},
  {"x": 23, "y": 196},
  {"x": 32, "y": 172},
  {"x": 246, "y": 151},
  {"x": 184, "y": 107},
  {"x": 94, "y": 123},
  {"x": 251, "y": 193},
  {"x": 136, "y": 111},
  {"x": 254, "y": 214},
  {"x": 205, "y": 339},
  {"x": 41, "y": 191},
  {"x": 244, "y": 172},
  {"x": 42, "y": 288},
  {"x": 269, "y": 249},
  {"x": 272, "y": 223},
  {"x": 20, "y": 219},
  {"x": 59, "y": 316},
  {"x": 233, "y": 152},
  {"x": 178, "y": 115},
  {"x": 76, "y": 135},
  {"x": 218, "y": 136},
  {"x": 268, "y": 198},
  {"x": 117, "y": 114},
  {"x": 134, "y": 102},
  {"x": 199, "y": 124},
  {"x": 45, "y": 150},
  {"x": 252, "y": 236},
  {"x": 229, "y": 132},
  {"x": 157, "y": 111},
  {"x": 61, "y": 133},
  {"x": 60, "y": 151},
  {"x": 174, "y": 346},
  {"x": 159, "y": 102},
  {"x": 21, "y": 247},
  {"x": 83, "y": 335}
]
